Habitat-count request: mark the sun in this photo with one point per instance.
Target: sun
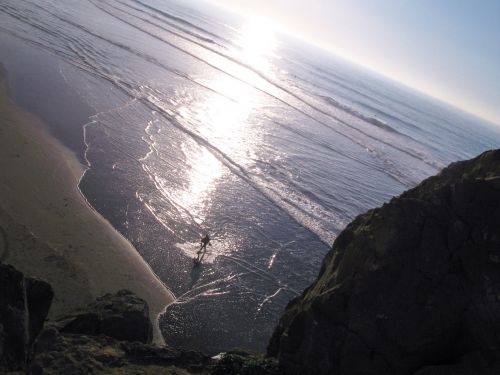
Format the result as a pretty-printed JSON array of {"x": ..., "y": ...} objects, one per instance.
[{"x": 256, "y": 43}]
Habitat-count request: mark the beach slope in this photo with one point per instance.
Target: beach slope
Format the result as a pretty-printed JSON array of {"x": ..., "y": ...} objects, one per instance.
[{"x": 47, "y": 228}]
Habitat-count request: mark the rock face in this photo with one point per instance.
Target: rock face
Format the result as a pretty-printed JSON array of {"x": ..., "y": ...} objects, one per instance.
[
  {"x": 242, "y": 363},
  {"x": 24, "y": 305},
  {"x": 111, "y": 335},
  {"x": 412, "y": 287},
  {"x": 78, "y": 354},
  {"x": 122, "y": 316}
]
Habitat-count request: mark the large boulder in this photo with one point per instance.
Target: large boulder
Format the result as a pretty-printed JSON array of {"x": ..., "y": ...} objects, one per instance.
[
  {"x": 412, "y": 287},
  {"x": 121, "y": 315},
  {"x": 24, "y": 305}
]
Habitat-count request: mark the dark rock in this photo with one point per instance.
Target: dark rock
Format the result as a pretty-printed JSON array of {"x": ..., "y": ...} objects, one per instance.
[
  {"x": 24, "y": 304},
  {"x": 412, "y": 287},
  {"x": 143, "y": 354},
  {"x": 13, "y": 321},
  {"x": 67, "y": 353},
  {"x": 57, "y": 353},
  {"x": 40, "y": 296},
  {"x": 244, "y": 363},
  {"x": 122, "y": 316}
]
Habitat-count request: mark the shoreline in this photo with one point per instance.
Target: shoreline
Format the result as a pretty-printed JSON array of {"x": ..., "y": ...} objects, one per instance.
[{"x": 50, "y": 231}]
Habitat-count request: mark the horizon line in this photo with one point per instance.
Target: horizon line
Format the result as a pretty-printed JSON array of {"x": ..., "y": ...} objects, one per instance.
[{"x": 280, "y": 27}]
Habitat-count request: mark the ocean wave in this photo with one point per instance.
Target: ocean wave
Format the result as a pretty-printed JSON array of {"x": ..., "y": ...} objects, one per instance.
[
  {"x": 371, "y": 120},
  {"x": 283, "y": 89},
  {"x": 181, "y": 21},
  {"x": 291, "y": 208}
]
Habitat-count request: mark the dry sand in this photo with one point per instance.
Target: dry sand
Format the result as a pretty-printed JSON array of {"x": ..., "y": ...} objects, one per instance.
[{"x": 49, "y": 231}]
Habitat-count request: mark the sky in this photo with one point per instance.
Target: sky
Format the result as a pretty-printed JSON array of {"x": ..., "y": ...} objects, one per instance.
[{"x": 449, "y": 49}]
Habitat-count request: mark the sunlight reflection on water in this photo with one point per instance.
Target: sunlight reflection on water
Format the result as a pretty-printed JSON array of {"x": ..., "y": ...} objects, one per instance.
[
  {"x": 222, "y": 118},
  {"x": 258, "y": 43}
]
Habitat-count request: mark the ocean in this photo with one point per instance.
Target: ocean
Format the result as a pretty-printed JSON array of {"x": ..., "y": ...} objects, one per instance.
[{"x": 192, "y": 121}]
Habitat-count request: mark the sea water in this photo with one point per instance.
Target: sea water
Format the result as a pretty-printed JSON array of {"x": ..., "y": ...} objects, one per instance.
[{"x": 193, "y": 121}]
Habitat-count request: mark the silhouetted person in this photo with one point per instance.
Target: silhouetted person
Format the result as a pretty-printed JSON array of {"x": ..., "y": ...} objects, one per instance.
[{"x": 203, "y": 247}]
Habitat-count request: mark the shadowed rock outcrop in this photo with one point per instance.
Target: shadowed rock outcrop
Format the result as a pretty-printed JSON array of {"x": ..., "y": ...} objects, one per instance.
[
  {"x": 24, "y": 305},
  {"x": 412, "y": 287},
  {"x": 111, "y": 335},
  {"x": 79, "y": 354},
  {"x": 122, "y": 316}
]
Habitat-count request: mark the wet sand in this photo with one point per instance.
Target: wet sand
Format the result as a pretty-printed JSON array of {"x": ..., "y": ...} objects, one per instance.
[{"x": 49, "y": 231}]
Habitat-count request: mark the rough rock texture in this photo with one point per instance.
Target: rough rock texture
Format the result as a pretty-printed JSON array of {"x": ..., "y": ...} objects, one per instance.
[
  {"x": 39, "y": 296},
  {"x": 24, "y": 304},
  {"x": 111, "y": 335},
  {"x": 66, "y": 353},
  {"x": 412, "y": 287},
  {"x": 243, "y": 363},
  {"x": 122, "y": 316}
]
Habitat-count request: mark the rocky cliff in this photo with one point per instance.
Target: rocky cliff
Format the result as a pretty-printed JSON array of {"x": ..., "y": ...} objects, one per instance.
[{"x": 412, "y": 287}]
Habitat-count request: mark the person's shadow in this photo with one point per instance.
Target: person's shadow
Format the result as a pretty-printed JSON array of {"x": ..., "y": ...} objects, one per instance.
[{"x": 195, "y": 274}]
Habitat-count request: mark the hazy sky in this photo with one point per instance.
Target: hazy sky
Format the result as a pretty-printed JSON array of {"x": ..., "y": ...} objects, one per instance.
[{"x": 449, "y": 49}]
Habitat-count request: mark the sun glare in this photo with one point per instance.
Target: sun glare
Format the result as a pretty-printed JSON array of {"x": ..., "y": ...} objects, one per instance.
[
  {"x": 257, "y": 44},
  {"x": 223, "y": 123},
  {"x": 222, "y": 118}
]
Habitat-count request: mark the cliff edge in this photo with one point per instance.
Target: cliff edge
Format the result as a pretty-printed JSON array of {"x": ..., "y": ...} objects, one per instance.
[{"x": 412, "y": 287}]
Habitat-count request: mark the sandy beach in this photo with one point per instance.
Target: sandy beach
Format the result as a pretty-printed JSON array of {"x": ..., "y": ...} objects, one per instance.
[{"x": 49, "y": 231}]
